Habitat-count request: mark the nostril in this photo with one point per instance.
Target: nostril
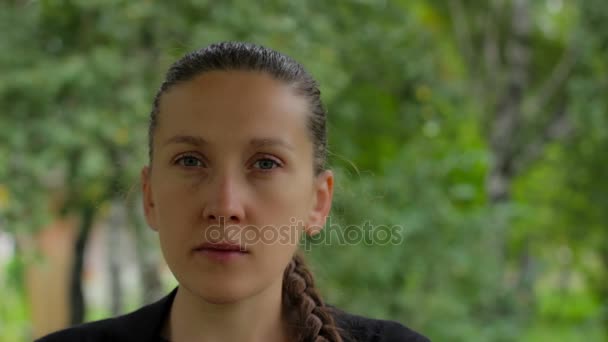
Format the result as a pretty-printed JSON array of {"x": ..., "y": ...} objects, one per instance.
[
  {"x": 222, "y": 219},
  {"x": 216, "y": 219}
]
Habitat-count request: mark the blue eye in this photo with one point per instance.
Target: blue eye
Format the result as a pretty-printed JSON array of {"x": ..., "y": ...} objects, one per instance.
[
  {"x": 189, "y": 161},
  {"x": 266, "y": 164}
]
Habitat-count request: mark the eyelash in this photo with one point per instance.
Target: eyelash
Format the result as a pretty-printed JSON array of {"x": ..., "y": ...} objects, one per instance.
[{"x": 182, "y": 157}]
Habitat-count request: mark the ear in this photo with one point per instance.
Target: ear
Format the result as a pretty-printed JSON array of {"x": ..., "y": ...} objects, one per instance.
[
  {"x": 322, "y": 198},
  {"x": 148, "y": 203}
]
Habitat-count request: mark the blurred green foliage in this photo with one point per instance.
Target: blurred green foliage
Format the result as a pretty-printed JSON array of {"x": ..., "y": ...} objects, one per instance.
[{"x": 409, "y": 114}]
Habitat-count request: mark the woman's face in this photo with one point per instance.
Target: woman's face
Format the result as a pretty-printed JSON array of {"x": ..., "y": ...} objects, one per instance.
[{"x": 233, "y": 162}]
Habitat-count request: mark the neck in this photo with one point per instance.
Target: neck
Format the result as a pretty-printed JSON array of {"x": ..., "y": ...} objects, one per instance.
[{"x": 254, "y": 319}]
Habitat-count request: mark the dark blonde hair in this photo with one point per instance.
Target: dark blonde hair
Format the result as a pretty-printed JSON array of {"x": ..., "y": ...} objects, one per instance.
[{"x": 312, "y": 320}]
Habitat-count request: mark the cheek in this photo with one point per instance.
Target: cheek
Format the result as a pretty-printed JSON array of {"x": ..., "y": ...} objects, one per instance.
[
  {"x": 273, "y": 259},
  {"x": 176, "y": 204},
  {"x": 282, "y": 201},
  {"x": 273, "y": 247}
]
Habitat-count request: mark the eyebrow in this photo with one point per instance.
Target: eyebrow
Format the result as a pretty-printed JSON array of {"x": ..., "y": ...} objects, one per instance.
[
  {"x": 270, "y": 142},
  {"x": 186, "y": 139},
  {"x": 255, "y": 142}
]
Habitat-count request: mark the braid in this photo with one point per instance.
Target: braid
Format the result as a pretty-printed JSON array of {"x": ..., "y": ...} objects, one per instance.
[{"x": 306, "y": 305}]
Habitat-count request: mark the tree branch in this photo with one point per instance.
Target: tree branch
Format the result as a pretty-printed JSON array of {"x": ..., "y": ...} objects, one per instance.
[
  {"x": 559, "y": 127},
  {"x": 507, "y": 116},
  {"x": 556, "y": 80},
  {"x": 463, "y": 34},
  {"x": 489, "y": 82}
]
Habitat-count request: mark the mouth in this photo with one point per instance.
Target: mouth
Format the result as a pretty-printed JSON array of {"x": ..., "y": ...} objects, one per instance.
[
  {"x": 221, "y": 252},
  {"x": 221, "y": 247}
]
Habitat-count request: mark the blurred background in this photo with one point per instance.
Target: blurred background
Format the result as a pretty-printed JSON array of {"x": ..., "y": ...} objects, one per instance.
[{"x": 480, "y": 126}]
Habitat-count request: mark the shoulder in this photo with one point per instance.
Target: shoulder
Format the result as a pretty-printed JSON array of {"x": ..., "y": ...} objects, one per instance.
[
  {"x": 365, "y": 329},
  {"x": 141, "y": 325},
  {"x": 93, "y": 331}
]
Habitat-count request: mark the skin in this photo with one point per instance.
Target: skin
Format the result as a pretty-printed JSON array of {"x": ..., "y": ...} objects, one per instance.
[{"x": 246, "y": 164}]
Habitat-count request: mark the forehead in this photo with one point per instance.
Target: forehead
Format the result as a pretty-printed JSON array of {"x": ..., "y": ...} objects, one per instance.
[{"x": 234, "y": 104}]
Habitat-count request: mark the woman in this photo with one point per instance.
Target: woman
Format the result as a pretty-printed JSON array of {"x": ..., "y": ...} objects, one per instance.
[{"x": 237, "y": 148}]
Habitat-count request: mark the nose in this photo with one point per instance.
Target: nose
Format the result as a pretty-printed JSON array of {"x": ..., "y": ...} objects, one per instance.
[{"x": 224, "y": 204}]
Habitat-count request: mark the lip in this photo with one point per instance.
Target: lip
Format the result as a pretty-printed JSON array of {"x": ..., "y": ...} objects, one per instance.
[
  {"x": 221, "y": 247},
  {"x": 221, "y": 252}
]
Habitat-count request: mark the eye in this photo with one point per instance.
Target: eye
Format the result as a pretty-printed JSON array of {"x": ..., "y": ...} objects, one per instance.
[
  {"x": 266, "y": 164},
  {"x": 189, "y": 161}
]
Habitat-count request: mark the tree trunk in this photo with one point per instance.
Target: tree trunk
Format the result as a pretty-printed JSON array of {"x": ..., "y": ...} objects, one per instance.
[
  {"x": 505, "y": 139},
  {"x": 77, "y": 303},
  {"x": 147, "y": 258},
  {"x": 115, "y": 223},
  {"x": 507, "y": 118},
  {"x": 602, "y": 289}
]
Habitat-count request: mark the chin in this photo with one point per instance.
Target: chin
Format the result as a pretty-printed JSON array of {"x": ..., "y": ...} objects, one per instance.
[{"x": 221, "y": 292}]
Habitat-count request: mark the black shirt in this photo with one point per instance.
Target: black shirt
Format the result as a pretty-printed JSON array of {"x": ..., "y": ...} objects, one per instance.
[{"x": 144, "y": 325}]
